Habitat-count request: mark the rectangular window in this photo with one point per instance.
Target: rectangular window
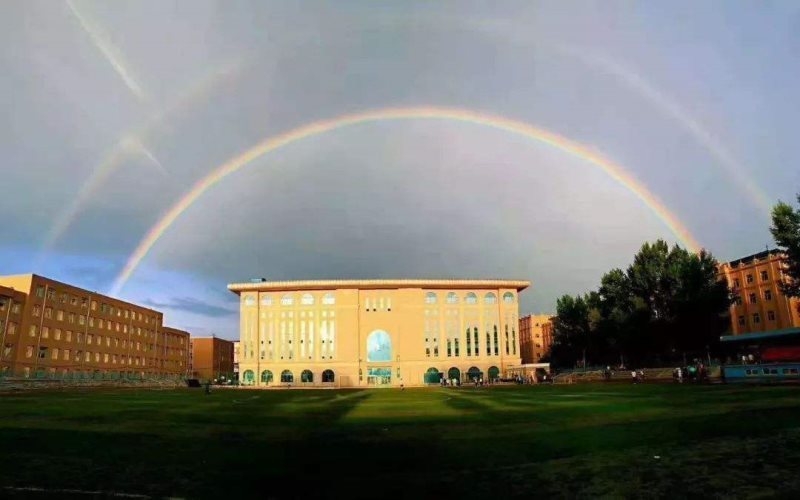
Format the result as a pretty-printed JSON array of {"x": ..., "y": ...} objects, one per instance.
[
  {"x": 764, "y": 276},
  {"x": 455, "y": 344},
  {"x": 48, "y": 312},
  {"x": 29, "y": 350},
  {"x": 60, "y": 315},
  {"x": 771, "y": 315},
  {"x": 45, "y": 332},
  {"x": 749, "y": 278},
  {"x": 37, "y": 310},
  {"x": 753, "y": 298},
  {"x": 42, "y": 352},
  {"x": 756, "y": 318},
  {"x": 57, "y": 334},
  {"x": 32, "y": 330},
  {"x": 40, "y": 291},
  {"x": 66, "y": 354},
  {"x": 767, "y": 294}
]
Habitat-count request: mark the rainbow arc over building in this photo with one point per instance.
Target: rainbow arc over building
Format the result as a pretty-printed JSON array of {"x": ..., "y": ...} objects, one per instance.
[{"x": 613, "y": 170}]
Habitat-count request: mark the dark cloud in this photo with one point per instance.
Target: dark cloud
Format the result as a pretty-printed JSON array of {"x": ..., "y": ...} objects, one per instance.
[{"x": 192, "y": 305}]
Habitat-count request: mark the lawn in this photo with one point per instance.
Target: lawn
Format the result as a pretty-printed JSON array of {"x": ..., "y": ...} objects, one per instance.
[{"x": 579, "y": 440}]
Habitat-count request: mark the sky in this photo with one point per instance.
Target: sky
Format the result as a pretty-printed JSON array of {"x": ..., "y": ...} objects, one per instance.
[{"x": 114, "y": 111}]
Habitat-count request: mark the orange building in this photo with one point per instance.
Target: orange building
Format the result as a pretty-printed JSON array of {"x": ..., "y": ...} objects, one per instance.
[
  {"x": 212, "y": 358},
  {"x": 759, "y": 305},
  {"x": 52, "y": 329},
  {"x": 535, "y": 337}
]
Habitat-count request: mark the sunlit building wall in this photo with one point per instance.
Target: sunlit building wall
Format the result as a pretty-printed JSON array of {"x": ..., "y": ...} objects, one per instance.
[
  {"x": 359, "y": 333},
  {"x": 536, "y": 337},
  {"x": 759, "y": 304},
  {"x": 56, "y": 330}
]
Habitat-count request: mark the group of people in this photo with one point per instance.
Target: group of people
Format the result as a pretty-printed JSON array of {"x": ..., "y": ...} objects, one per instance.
[{"x": 697, "y": 372}]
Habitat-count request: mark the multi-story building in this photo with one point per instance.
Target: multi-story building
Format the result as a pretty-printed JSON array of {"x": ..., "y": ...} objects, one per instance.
[
  {"x": 236, "y": 359},
  {"x": 59, "y": 330},
  {"x": 535, "y": 337},
  {"x": 759, "y": 304},
  {"x": 212, "y": 358},
  {"x": 12, "y": 303},
  {"x": 353, "y": 333}
]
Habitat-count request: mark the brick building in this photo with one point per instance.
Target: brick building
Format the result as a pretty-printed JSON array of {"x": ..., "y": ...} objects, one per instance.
[
  {"x": 759, "y": 306},
  {"x": 212, "y": 358},
  {"x": 52, "y": 329},
  {"x": 535, "y": 337}
]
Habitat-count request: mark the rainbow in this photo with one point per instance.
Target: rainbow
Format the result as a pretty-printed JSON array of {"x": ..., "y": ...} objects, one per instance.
[{"x": 271, "y": 144}]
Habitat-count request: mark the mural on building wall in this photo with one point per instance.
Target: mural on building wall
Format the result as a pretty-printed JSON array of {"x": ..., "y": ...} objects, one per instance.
[{"x": 379, "y": 346}]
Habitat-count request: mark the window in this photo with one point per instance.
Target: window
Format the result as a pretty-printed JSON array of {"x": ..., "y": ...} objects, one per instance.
[
  {"x": 29, "y": 351},
  {"x": 45, "y": 332},
  {"x": 753, "y": 298},
  {"x": 54, "y": 354},
  {"x": 328, "y": 299},
  {"x": 40, "y": 291},
  {"x": 42, "y": 352},
  {"x": 287, "y": 300},
  {"x": 48, "y": 312},
  {"x": 749, "y": 278},
  {"x": 471, "y": 298},
  {"x": 430, "y": 298},
  {"x": 32, "y": 330},
  {"x": 57, "y": 334},
  {"x": 60, "y": 315},
  {"x": 508, "y": 298},
  {"x": 736, "y": 283},
  {"x": 764, "y": 276},
  {"x": 37, "y": 311},
  {"x": 452, "y": 298},
  {"x": 490, "y": 298},
  {"x": 767, "y": 294},
  {"x": 756, "y": 318},
  {"x": 249, "y": 300},
  {"x": 287, "y": 377},
  {"x": 266, "y": 301},
  {"x": 771, "y": 315},
  {"x": 307, "y": 300}
]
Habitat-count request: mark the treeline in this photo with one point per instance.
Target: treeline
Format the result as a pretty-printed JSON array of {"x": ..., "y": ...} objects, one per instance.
[{"x": 669, "y": 303}]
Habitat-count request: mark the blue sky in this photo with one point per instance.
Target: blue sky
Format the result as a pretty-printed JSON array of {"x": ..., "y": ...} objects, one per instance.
[{"x": 697, "y": 100}]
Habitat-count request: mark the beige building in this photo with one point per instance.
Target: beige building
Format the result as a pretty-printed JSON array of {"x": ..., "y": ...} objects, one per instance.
[
  {"x": 361, "y": 333},
  {"x": 55, "y": 330},
  {"x": 759, "y": 304},
  {"x": 535, "y": 337}
]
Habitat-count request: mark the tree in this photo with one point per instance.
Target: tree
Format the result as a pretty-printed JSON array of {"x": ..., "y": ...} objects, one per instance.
[
  {"x": 786, "y": 231},
  {"x": 668, "y": 302}
]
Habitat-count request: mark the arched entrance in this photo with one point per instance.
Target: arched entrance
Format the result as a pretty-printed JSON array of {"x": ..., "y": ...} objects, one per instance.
[
  {"x": 454, "y": 373},
  {"x": 287, "y": 377},
  {"x": 266, "y": 377},
  {"x": 306, "y": 376},
  {"x": 474, "y": 374},
  {"x": 328, "y": 376},
  {"x": 432, "y": 376},
  {"x": 248, "y": 378},
  {"x": 494, "y": 373}
]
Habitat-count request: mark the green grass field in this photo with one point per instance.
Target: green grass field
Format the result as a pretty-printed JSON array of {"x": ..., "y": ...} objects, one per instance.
[{"x": 584, "y": 440}]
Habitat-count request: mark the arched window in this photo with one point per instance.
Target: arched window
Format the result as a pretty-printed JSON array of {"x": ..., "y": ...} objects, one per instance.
[
  {"x": 249, "y": 300},
  {"x": 471, "y": 298},
  {"x": 306, "y": 376},
  {"x": 474, "y": 373},
  {"x": 454, "y": 373},
  {"x": 490, "y": 298},
  {"x": 266, "y": 377},
  {"x": 494, "y": 373},
  {"x": 287, "y": 300},
  {"x": 249, "y": 377},
  {"x": 452, "y": 298},
  {"x": 430, "y": 298},
  {"x": 307, "y": 299},
  {"x": 328, "y": 299},
  {"x": 328, "y": 376},
  {"x": 508, "y": 298},
  {"x": 287, "y": 377},
  {"x": 266, "y": 300},
  {"x": 379, "y": 346}
]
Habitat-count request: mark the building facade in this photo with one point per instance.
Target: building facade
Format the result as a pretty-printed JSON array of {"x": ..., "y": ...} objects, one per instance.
[
  {"x": 212, "y": 358},
  {"x": 361, "y": 333},
  {"x": 53, "y": 329},
  {"x": 535, "y": 337},
  {"x": 759, "y": 304}
]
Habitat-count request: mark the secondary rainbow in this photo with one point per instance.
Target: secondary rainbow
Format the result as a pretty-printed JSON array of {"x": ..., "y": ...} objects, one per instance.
[{"x": 270, "y": 144}]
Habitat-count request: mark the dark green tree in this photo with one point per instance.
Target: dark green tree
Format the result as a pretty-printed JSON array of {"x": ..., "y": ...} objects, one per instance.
[
  {"x": 570, "y": 331},
  {"x": 786, "y": 231}
]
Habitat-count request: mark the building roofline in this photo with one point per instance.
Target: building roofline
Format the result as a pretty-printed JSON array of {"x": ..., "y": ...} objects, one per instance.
[
  {"x": 85, "y": 290},
  {"x": 754, "y": 257},
  {"x": 376, "y": 284},
  {"x": 761, "y": 335}
]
